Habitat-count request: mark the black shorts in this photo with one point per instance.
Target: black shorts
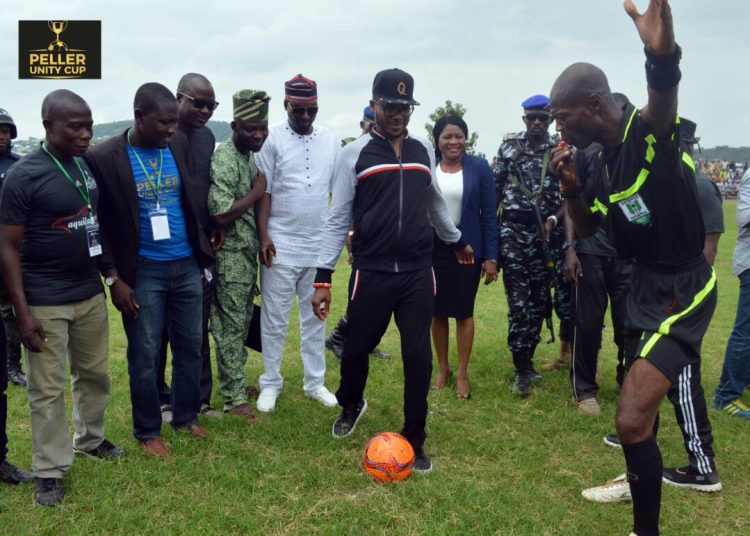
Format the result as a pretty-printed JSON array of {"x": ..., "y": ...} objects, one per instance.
[{"x": 668, "y": 314}]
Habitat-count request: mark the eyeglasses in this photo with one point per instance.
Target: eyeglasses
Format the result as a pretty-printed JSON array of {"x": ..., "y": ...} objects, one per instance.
[
  {"x": 300, "y": 110},
  {"x": 405, "y": 110},
  {"x": 199, "y": 104},
  {"x": 542, "y": 118}
]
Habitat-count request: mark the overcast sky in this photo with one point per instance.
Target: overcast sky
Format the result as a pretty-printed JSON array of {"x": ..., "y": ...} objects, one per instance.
[{"x": 487, "y": 54}]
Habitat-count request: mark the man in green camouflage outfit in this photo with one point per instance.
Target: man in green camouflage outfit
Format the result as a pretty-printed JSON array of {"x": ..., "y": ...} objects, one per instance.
[{"x": 236, "y": 185}]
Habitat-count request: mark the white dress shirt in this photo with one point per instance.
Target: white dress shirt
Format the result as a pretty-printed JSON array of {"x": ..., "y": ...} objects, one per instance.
[{"x": 299, "y": 170}]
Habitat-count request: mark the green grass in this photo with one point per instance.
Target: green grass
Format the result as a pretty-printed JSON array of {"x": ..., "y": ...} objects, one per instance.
[{"x": 502, "y": 465}]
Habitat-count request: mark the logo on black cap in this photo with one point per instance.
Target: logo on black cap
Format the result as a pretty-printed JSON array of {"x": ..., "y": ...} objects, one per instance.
[{"x": 393, "y": 86}]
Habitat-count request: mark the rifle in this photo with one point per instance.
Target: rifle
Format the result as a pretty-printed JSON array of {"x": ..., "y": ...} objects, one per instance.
[{"x": 549, "y": 264}]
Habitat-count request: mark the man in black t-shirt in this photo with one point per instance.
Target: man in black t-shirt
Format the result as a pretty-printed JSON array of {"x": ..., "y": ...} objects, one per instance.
[
  {"x": 645, "y": 182},
  {"x": 49, "y": 244}
]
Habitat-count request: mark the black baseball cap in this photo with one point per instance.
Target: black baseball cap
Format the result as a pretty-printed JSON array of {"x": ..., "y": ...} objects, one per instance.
[{"x": 393, "y": 86}]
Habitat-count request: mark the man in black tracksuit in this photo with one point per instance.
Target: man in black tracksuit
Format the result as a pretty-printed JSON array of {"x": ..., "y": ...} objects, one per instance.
[{"x": 383, "y": 188}]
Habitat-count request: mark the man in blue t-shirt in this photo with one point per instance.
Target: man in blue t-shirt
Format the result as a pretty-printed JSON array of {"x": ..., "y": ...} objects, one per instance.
[{"x": 155, "y": 251}]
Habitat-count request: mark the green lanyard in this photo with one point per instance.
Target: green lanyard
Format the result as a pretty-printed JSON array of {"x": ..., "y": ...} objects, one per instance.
[
  {"x": 154, "y": 187},
  {"x": 76, "y": 184}
]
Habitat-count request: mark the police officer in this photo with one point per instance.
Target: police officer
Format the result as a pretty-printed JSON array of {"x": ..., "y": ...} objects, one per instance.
[
  {"x": 9, "y": 132},
  {"x": 524, "y": 187}
]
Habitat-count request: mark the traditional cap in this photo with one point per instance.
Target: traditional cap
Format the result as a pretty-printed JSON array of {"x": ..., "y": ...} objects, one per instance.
[
  {"x": 251, "y": 105},
  {"x": 301, "y": 90},
  {"x": 367, "y": 114},
  {"x": 6, "y": 119},
  {"x": 536, "y": 102},
  {"x": 393, "y": 86}
]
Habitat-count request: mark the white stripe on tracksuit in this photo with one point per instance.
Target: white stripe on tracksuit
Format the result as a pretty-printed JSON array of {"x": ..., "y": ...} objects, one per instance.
[{"x": 685, "y": 396}]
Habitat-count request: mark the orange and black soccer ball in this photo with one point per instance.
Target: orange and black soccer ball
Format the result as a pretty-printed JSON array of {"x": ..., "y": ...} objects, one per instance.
[{"x": 388, "y": 457}]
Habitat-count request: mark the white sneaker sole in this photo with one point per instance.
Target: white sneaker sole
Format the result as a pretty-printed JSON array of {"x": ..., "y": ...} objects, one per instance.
[
  {"x": 697, "y": 487},
  {"x": 350, "y": 432}
]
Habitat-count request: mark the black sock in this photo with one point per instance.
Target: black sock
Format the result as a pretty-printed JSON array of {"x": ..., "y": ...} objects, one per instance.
[{"x": 645, "y": 468}]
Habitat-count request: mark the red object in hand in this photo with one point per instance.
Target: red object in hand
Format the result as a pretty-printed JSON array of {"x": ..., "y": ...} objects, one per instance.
[{"x": 562, "y": 145}]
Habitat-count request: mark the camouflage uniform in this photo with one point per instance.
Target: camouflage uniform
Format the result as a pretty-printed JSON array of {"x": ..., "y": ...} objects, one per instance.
[
  {"x": 232, "y": 176},
  {"x": 521, "y": 257}
]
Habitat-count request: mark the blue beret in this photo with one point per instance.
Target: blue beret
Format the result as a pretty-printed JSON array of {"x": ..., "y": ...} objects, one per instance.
[
  {"x": 535, "y": 102},
  {"x": 368, "y": 114}
]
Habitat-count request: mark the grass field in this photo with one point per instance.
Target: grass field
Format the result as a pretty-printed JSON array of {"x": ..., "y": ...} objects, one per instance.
[{"x": 502, "y": 465}]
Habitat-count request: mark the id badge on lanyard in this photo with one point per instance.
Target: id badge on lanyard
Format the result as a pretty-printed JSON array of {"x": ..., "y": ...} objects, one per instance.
[
  {"x": 93, "y": 238},
  {"x": 159, "y": 223}
]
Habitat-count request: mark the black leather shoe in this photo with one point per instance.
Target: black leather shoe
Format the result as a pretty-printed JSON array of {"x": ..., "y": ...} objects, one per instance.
[
  {"x": 105, "y": 451},
  {"x": 11, "y": 474},
  {"x": 49, "y": 491},
  {"x": 16, "y": 376}
]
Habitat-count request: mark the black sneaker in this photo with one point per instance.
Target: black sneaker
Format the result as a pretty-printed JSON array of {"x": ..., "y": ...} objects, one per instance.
[
  {"x": 10, "y": 474},
  {"x": 335, "y": 344},
  {"x": 522, "y": 385},
  {"x": 613, "y": 440},
  {"x": 535, "y": 376},
  {"x": 347, "y": 421},
  {"x": 687, "y": 477},
  {"x": 17, "y": 376},
  {"x": 105, "y": 451},
  {"x": 49, "y": 491},
  {"x": 422, "y": 463},
  {"x": 380, "y": 354}
]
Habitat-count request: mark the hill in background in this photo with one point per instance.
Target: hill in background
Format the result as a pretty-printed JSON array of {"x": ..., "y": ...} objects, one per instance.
[{"x": 221, "y": 129}]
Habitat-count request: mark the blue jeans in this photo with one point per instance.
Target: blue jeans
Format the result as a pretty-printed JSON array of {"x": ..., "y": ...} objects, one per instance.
[
  {"x": 735, "y": 374},
  {"x": 172, "y": 289}
]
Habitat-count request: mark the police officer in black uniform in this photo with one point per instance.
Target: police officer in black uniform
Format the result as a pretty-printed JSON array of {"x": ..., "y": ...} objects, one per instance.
[{"x": 16, "y": 375}]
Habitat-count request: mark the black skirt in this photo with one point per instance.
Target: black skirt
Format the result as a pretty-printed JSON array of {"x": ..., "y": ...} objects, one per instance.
[{"x": 456, "y": 284}]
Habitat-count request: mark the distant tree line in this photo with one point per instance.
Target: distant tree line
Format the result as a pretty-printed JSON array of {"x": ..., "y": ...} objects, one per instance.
[{"x": 723, "y": 152}]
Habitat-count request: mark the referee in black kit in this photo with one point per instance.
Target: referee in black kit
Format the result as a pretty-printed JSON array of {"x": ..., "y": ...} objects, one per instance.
[
  {"x": 383, "y": 188},
  {"x": 645, "y": 182}
]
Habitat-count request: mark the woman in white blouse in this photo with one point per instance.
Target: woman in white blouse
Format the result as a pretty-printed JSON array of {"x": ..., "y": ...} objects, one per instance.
[{"x": 468, "y": 186}]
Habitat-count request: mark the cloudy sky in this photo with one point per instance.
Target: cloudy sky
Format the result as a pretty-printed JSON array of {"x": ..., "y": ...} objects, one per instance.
[{"x": 487, "y": 54}]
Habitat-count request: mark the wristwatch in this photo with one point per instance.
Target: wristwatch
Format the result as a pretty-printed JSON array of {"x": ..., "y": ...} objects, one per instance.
[
  {"x": 568, "y": 244},
  {"x": 110, "y": 280}
]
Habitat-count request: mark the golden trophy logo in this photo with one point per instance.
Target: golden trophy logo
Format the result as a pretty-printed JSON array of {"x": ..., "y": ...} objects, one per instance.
[
  {"x": 57, "y": 27},
  {"x": 45, "y": 53}
]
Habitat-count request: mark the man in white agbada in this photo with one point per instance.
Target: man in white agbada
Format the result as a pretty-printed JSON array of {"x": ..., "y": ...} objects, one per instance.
[{"x": 298, "y": 160}]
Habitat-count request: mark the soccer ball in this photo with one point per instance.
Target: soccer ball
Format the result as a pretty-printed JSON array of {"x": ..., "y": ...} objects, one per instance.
[{"x": 388, "y": 457}]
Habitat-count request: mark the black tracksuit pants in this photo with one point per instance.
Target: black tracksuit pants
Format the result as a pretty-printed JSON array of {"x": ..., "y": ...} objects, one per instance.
[
  {"x": 373, "y": 296},
  {"x": 604, "y": 279}
]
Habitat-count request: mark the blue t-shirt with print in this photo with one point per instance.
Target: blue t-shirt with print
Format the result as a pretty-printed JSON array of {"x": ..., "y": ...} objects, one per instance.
[{"x": 165, "y": 191}]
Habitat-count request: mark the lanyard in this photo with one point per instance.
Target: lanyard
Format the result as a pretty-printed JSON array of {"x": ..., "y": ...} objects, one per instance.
[
  {"x": 76, "y": 184},
  {"x": 154, "y": 187}
]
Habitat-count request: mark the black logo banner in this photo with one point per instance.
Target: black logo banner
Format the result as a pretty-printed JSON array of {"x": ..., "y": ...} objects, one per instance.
[{"x": 59, "y": 49}]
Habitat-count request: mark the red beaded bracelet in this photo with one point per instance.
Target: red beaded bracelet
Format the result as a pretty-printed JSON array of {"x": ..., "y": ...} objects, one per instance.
[{"x": 322, "y": 285}]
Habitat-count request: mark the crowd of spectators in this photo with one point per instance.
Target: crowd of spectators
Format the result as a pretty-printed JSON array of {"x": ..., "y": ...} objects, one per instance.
[{"x": 726, "y": 174}]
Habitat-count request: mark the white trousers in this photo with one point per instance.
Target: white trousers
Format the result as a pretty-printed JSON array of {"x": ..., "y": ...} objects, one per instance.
[{"x": 278, "y": 286}]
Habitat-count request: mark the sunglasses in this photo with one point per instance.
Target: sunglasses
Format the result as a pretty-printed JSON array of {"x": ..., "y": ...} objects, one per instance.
[
  {"x": 405, "y": 110},
  {"x": 199, "y": 104},
  {"x": 542, "y": 118},
  {"x": 300, "y": 110}
]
